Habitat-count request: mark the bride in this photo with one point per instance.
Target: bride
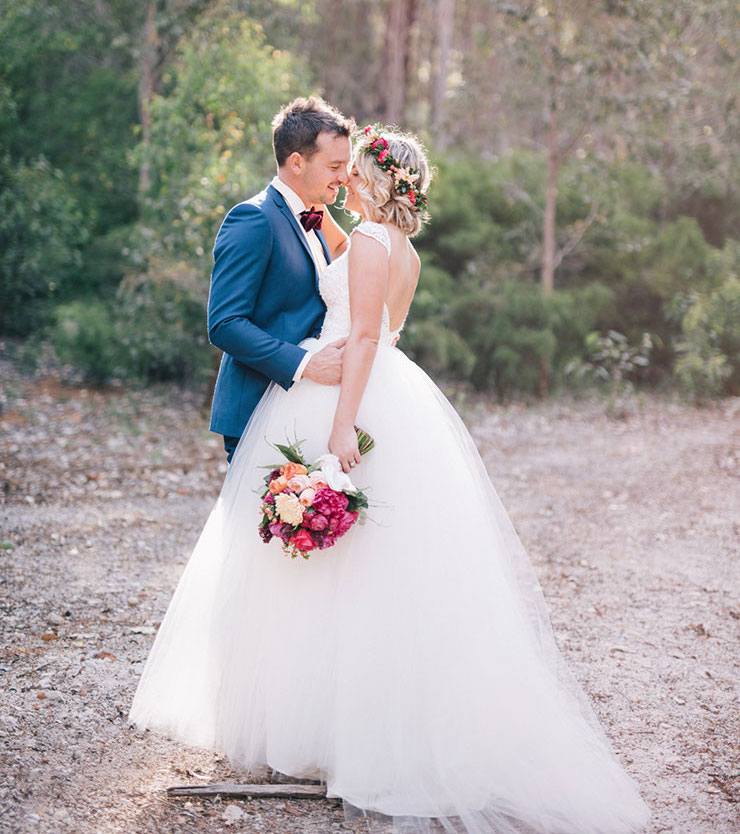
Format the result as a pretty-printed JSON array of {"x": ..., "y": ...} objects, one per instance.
[{"x": 412, "y": 666}]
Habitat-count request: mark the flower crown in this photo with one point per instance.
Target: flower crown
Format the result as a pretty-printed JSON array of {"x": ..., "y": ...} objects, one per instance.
[{"x": 404, "y": 179}]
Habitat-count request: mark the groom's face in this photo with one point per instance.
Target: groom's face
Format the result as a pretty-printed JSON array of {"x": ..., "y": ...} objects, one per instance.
[{"x": 326, "y": 171}]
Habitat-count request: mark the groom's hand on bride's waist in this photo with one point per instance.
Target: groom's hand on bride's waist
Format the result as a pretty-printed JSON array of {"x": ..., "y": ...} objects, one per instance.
[{"x": 325, "y": 366}]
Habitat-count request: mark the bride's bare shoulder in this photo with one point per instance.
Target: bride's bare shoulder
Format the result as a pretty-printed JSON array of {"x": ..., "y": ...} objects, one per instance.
[{"x": 378, "y": 231}]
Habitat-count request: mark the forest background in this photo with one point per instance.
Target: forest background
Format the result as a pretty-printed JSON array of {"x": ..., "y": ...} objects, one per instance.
[{"x": 585, "y": 213}]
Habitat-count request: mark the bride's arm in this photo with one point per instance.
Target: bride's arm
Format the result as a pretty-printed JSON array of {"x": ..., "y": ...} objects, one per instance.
[
  {"x": 334, "y": 234},
  {"x": 368, "y": 284}
]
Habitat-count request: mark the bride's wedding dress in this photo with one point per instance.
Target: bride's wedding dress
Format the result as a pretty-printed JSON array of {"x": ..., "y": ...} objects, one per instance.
[{"x": 412, "y": 666}]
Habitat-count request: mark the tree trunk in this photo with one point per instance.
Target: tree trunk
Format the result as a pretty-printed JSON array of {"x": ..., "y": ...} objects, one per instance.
[
  {"x": 549, "y": 217},
  {"x": 445, "y": 24},
  {"x": 332, "y": 81},
  {"x": 551, "y": 196},
  {"x": 147, "y": 67},
  {"x": 400, "y": 19}
]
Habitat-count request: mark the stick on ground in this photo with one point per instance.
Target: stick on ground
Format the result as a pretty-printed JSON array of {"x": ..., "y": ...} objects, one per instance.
[{"x": 246, "y": 790}]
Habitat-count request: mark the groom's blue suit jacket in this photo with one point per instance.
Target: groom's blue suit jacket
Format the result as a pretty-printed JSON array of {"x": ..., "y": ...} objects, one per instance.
[{"x": 263, "y": 300}]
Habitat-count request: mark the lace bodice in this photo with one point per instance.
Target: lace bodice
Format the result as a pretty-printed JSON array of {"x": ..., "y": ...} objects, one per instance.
[{"x": 334, "y": 289}]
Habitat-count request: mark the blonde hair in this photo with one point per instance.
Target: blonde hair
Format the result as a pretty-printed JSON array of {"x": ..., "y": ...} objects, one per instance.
[{"x": 381, "y": 201}]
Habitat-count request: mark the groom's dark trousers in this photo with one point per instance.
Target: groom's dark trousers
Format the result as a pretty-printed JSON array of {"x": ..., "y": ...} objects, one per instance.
[
  {"x": 263, "y": 300},
  {"x": 230, "y": 444}
]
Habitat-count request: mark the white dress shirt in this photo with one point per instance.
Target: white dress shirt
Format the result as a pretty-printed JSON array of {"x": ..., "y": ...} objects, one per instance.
[{"x": 297, "y": 205}]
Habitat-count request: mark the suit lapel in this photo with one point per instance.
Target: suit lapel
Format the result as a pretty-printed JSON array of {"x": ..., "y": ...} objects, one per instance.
[
  {"x": 279, "y": 201},
  {"x": 324, "y": 246}
]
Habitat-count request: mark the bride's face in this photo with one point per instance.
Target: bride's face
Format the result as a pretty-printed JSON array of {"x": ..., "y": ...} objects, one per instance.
[{"x": 354, "y": 182}]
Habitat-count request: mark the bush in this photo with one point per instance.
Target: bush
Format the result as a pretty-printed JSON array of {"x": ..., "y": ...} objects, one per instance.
[
  {"x": 612, "y": 362},
  {"x": 485, "y": 217},
  {"x": 508, "y": 330},
  {"x": 574, "y": 314},
  {"x": 628, "y": 266},
  {"x": 161, "y": 324},
  {"x": 708, "y": 362},
  {"x": 438, "y": 349},
  {"x": 154, "y": 329},
  {"x": 41, "y": 233},
  {"x": 86, "y": 337}
]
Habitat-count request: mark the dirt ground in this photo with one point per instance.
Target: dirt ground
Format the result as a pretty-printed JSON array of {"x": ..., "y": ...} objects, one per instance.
[{"x": 631, "y": 524}]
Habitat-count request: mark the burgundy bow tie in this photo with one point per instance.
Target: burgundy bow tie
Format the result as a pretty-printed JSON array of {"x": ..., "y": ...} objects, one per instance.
[{"x": 311, "y": 219}]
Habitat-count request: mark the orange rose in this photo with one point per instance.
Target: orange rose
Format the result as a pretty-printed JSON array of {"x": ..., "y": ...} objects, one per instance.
[
  {"x": 290, "y": 469},
  {"x": 278, "y": 484}
]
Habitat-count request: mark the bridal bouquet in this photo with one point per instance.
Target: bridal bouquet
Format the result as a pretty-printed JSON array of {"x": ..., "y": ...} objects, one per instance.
[{"x": 309, "y": 506}]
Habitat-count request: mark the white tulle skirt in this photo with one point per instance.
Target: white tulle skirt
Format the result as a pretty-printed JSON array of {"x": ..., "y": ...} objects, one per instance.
[{"x": 412, "y": 666}]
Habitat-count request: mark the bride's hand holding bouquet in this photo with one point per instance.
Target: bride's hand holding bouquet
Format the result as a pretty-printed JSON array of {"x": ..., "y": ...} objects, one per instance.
[
  {"x": 344, "y": 443},
  {"x": 309, "y": 506}
]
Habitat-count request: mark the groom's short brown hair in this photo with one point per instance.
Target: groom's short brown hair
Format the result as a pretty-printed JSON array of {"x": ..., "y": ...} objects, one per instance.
[{"x": 296, "y": 126}]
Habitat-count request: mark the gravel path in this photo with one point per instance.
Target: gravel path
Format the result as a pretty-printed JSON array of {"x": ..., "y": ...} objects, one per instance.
[{"x": 631, "y": 525}]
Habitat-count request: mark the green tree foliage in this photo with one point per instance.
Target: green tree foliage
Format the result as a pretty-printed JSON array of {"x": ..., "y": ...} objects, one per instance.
[
  {"x": 128, "y": 129},
  {"x": 85, "y": 336},
  {"x": 627, "y": 273},
  {"x": 41, "y": 234},
  {"x": 708, "y": 362},
  {"x": 208, "y": 149},
  {"x": 68, "y": 93},
  {"x": 209, "y": 146}
]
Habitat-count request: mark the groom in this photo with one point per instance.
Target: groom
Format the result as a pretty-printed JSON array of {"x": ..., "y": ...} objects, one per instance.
[{"x": 264, "y": 294}]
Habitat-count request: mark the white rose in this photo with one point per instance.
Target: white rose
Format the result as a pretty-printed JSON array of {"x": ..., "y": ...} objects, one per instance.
[{"x": 331, "y": 469}]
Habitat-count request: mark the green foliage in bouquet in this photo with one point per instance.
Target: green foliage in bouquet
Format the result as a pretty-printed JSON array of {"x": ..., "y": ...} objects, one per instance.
[{"x": 292, "y": 451}]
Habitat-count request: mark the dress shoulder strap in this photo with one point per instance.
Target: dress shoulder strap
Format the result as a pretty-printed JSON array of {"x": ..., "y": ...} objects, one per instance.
[{"x": 375, "y": 230}]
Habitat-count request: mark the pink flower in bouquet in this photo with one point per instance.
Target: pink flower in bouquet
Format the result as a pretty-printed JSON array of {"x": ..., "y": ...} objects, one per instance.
[
  {"x": 328, "y": 540},
  {"x": 317, "y": 521},
  {"x": 276, "y": 528},
  {"x": 298, "y": 483},
  {"x": 302, "y": 540},
  {"x": 317, "y": 479},
  {"x": 345, "y": 522},
  {"x": 329, "y": 502},
  {"x": 309, "y": 510},
  {"x": 307, "y": 496}
]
